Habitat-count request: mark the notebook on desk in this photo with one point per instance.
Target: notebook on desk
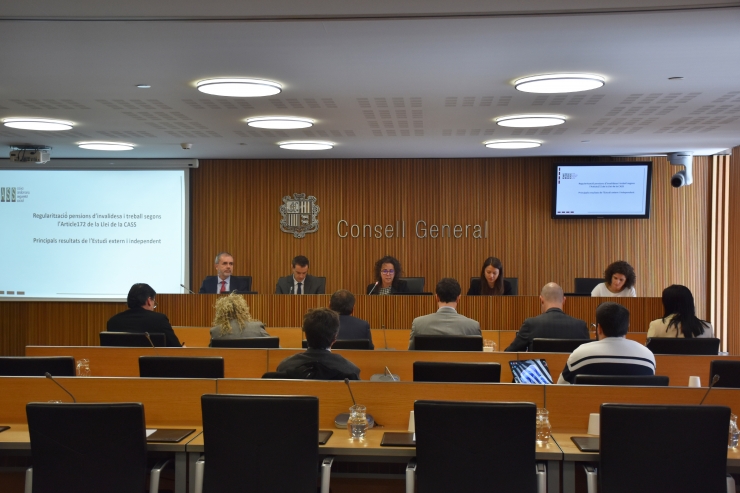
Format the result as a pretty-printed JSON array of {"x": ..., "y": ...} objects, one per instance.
[
  {"x": 398, "y": 439},
  {"x": 586, "y": 444},
  {"x": 3, "y": 428},
  {"x": 172, "y": 435},
  {"x": 324, "y": 436}
]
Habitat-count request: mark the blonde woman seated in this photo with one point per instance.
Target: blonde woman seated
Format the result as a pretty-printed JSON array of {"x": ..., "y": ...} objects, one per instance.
[
  {"x": 679, "y": 316},
  {"x": 233, "y": 320}
]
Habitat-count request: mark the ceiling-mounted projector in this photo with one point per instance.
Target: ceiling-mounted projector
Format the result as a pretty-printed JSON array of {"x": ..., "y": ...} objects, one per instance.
[{"x": 37, "y": 156}]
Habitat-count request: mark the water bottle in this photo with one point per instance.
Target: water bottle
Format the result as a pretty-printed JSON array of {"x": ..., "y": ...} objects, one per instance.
[
  {"x": 357, "y": 423},
  {"x": 734, "y": 432},
  {"x": 543, "y": 426}
]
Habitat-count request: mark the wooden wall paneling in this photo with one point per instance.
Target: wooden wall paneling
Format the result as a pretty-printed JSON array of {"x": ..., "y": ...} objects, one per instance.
[
  {"x": 733, "y": 260},
  {"x": 719, "y": 251}
]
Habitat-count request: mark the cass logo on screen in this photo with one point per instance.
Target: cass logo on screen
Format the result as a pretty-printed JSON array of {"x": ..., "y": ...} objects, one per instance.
[{"x": 8, "y": 194}]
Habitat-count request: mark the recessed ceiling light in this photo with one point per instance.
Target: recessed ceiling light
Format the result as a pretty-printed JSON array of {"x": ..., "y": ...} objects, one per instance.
[
  {"x": 239, "y": 88},
  {"x": 559, "y": 83},
  {"x": 282, "y": 122},
  {"x": 530, "y": 120},
  {"x": 512, "y": 144},
  {"x": 38, "y": 124},
  {"x": 307, "y": 145},
  {"x": 143, "y": 86},
  {"x": 106, "y": 146}
]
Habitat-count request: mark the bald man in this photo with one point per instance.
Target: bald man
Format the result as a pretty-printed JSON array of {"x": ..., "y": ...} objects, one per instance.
[{"x": 551, "y": 324}]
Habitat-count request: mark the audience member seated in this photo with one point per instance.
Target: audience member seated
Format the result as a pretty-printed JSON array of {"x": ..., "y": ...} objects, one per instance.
[
  {"x": 491, "y": 282},
  {"x": 387, "y": 273},
  {"x": 619, "y": 280},
  {"x": 679, "y": 316},
  {"x": 446, "y": 321},
  {"x": 141, "y": 317},
  {"x": 300, "y": 282},
  {"x": 233, "y": 320},
  {"x": 343, "y": 302},
  {"x": 223, "y": 282},
  {"x": 551, "y": 324},
  {"x": 321, "y": 326},
  {"x": 613, "y": 353}
]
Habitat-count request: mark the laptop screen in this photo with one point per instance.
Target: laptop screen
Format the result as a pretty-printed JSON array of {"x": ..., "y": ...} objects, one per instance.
[{"x": 530, "y": 371}]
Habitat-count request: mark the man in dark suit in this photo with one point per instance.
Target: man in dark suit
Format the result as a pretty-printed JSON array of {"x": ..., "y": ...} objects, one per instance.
[
  {"x": 300, "y": 282},
  {"x": 343, "y": 302},
  {"x": 141, "y": 317},
  {"x": 223, "y": 282},
  {"x": 551, "y": 324}
]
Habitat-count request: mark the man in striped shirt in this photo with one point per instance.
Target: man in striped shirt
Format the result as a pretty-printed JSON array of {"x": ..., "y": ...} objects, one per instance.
[{"x": 613, "y": 353}]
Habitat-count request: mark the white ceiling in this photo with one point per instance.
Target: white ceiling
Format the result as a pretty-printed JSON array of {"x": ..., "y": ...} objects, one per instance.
[{"x": 382, "y": 79}]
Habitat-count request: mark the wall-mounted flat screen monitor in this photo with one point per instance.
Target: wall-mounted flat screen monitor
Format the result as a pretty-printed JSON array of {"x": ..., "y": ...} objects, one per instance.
[{"x": 602, "y": 190}]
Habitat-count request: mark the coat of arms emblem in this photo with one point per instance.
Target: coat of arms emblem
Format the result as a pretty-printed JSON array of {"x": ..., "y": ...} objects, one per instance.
[{"x": 299, "y": 215}]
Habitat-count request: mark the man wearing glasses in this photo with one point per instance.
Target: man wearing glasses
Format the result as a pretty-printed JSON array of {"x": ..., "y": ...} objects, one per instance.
[{"x": 141, "y": 317}]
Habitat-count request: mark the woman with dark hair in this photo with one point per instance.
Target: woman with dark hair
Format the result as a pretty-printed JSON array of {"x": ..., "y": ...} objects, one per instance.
[
  {"x": 619, "y": 280},
  {"x": 491, "y": 281},
  {"x": 387, "y": 277},
  {"x": 679, "y": 316}
]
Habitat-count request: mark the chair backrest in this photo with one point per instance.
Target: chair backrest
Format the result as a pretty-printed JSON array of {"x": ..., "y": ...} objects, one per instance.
[
  {"x": 728, "y": 371},
  {"x": 131, "y": 339},
  {"x": 541, "y": 345},
  {"x": 648, "y": 448},
  {"x": 628, "y": 380},
  {"x": 587, "y": 284},
  {"x": 513, "y": 281},
  {"x": 37, "y": 366},
  {"x": 493, "y": 444},
  {"x": 247, "y": 342},
  {"x": 179, "y": 367},
  {"x": 448, "y": 343},
  {"x": 243, "y": 440},
  {"x": 434, "y": 371},
  {"x": 322, "y": 282},
  {"x": 680, "y": 345},
  {"x": 274, "y": 374},
  {"x": 415, "y": 284},
  {"x": 351, "y": 344},
  {"x": 247, "y": 281},
  {"x": 87, "y": 448}
]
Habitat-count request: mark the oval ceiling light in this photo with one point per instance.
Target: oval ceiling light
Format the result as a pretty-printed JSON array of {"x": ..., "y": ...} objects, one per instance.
[
  {"x": 279, "y": 122},
  {"x": 307, "y": 145},
  {"x": 524, "y": 121},
  {"x": 106, "y": 146},
  {"x": 38, "y": 124},
  {"x": 559, "y": 83},
  {"x": 512, "y": 144},
  {"x": 239, "y": 88}
]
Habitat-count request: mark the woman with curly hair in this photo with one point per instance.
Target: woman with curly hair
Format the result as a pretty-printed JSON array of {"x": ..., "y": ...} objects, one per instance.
[
  {"x": 387, "y": 277},
  {"x": 619, "y": 280},
  {"x": 679, "y": 316},
  {"x": 491, "y": 281},
  {"x": 233, "y": 320}
]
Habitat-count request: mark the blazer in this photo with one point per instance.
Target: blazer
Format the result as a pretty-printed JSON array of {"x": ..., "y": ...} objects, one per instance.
[
  {"x": 311, "y": 285},
  {"x": 398, "y": 287},
  {"x": 354, "y": 328},
  {"x": 553, "y": 324},
  {"x": 474, "y": 289},
  {"x": 140, "y": 320},
  {"x": 446, "y": 322},
  {"x": 333, "y": 366},
  {"x": 255, "y": 328},
  {"x": 237, "y": 283}
]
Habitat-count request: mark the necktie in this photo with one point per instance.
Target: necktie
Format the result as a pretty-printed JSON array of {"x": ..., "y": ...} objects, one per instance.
[
  {"x": 298, "y": 291},
  {"x": 223, "y": 287}
]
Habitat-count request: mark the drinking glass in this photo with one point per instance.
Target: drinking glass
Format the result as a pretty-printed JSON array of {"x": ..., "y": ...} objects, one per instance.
[{"x": 357, "y": 423}]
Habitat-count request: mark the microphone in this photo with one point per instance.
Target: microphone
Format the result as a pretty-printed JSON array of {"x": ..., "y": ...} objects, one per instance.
[
  {"x": 48, "y": 375},
  {"x": 385, "y": 341},
  {"x": 346, "y": 380},
  {"x": 187, "y": 288},
  {"x": 715, "y": 379},
  {"x": 150, "y": 342},
  {"x": 374, "y": 286},
  {"x": 291, "y": 290}
]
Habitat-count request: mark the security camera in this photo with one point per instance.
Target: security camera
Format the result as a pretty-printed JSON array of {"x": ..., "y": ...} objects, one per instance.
[
  {"x": 683, "y": 177},
  {"x": 186, "y": 145}
]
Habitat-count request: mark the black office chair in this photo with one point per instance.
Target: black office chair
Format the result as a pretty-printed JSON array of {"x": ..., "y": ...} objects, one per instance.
[
  {"x": 475, "y": 446},
  {"x": 322, "y": 283},
  {"x": 513, "y": 281},
  {"x": 248, "y": 281},
  {"x": 433, "y": 371},
  {"x": 415, "y": 284},
  {"x": 37, "y": 366},
  {"x": 649, "y": 448},
  {"x": 351, "y": 344},
  {"x": 585, "y": 285},
  {"x": 131, "y": 339},
  {"x": 680, "y": 345},
  {"x": 275, "y": 374},
  {"x": 253, "y": 451},
  {"x": 88, "y": 448},
  {"x": 728, "y": 371},
  {"x": 181, "y": 367},
  {"x": 247, "y": 342},
  {"x": 556, "y": 345},
  {"x": 448, "y": 343},
  {"x": 627, "y": 380}
]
